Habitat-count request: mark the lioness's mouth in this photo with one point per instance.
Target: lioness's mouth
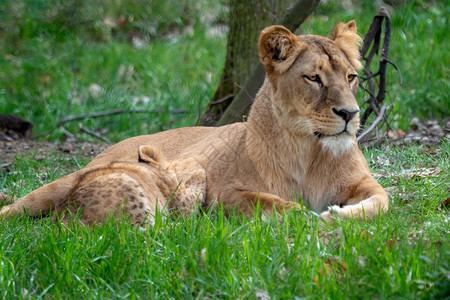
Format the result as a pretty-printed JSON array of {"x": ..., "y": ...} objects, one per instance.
[
  {"x": 318, "y": 134},
  {"x": 321, "y": 135}
]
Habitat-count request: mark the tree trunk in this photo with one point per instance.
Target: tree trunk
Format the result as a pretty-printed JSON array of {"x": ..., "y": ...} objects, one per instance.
[
  {"x": 246, "y": 20},
  {"x": 243, "y": 75}
]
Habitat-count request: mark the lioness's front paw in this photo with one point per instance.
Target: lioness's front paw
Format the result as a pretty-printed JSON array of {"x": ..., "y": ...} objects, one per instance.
[
  {"x": 331, "y": 213},
  {"x": 335, "y": 209},
  {"x": 326, "y": 216}
]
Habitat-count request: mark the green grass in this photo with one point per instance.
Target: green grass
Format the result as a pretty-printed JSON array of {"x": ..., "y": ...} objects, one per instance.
[
  {"x": 127, "y": 76},
  {"x": 48, "y": 64},
  {"x": 52, "y": 51},
  {"x": 48, "y": 60},
  {"x": 403, "y": 254}
]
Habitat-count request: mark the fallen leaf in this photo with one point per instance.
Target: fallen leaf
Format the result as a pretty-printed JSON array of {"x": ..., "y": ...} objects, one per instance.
[
  {"x": 333, "y": 266},
  {"x": 366, "y": 234},
  {"x": 316, "y": 281},
  {"x": 394, "y": 242},
  {"x": 425, "y": 172},
  {"x": 396, "y": 134},
  {"x": 45, "y": 79},
  {"x": 446, "y": 203},
  {"x": 336, "y": 235}
]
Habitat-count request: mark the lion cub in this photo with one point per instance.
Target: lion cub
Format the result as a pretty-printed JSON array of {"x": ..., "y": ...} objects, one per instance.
[{"x": 137, "y": 189}]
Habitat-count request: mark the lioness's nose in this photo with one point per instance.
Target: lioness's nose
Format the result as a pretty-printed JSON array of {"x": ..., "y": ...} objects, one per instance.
[{"x": 345, "y": 114}]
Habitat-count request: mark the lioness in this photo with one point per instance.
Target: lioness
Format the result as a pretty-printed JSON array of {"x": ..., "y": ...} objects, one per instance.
[
  {"x": 138, "y": 189},
  {"x": 298, "y": 142}
]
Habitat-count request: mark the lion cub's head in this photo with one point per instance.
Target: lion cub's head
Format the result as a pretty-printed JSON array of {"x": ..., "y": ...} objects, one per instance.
[{"x": 314, "y": 82}]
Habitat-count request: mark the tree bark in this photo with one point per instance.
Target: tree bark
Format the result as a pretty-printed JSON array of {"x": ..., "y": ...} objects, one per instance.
[
  {"x": 243, "y": 75},
  {"x": 246, "y": 20}
]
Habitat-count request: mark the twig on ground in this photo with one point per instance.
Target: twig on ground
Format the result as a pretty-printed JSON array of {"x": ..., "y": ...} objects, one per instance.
[
  {"x": 68, "y": 133},
  {"x": 114, "y": 112},
  {"x": 94, "y": 134},
  {"x": 374, "y": 124}
]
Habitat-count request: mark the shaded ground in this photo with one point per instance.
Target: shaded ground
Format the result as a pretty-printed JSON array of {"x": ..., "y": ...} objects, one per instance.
[
  {"x": 427, "y": 133},
  {"x": 10, "y": 149}
]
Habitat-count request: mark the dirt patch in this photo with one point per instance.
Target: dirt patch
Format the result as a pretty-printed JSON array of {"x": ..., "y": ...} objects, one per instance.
[
  {"x": 427, "y": 133},
  {"x": 15, "y": 148}
]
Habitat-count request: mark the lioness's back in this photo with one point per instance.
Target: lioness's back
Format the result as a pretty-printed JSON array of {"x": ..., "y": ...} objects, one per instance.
[{"x": 173, "y": 143}]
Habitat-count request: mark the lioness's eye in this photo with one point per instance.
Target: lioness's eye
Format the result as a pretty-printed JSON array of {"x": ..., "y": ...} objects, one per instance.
[
  {"x": 314, "y": 78},
  {"x": 351, "y": 77}
]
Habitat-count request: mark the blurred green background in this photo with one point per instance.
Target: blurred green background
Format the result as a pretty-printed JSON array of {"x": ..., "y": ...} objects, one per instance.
[{"x": 60, "y": 58}]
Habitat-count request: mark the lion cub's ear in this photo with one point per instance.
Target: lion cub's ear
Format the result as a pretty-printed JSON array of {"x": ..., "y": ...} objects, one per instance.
[
  {"x": 345, "y": 36},
  {"x": 150, "y": 154},
  {"x": 278, "y": 48}
]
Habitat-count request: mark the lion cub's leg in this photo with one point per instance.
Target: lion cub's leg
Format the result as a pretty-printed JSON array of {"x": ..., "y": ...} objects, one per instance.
[
  {"x": 42, "y": 200},
  {"x": 190, "y": 194},
  {"x": 190, "y": 191},
  {"x": 247, "y": 201}
]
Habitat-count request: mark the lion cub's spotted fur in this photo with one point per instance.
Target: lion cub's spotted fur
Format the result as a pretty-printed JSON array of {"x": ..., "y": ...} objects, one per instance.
[{"x": 138, "y": 189}]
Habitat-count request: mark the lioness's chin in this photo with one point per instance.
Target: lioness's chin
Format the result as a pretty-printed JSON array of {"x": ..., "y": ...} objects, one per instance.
[{"x": 337, "y": 145}]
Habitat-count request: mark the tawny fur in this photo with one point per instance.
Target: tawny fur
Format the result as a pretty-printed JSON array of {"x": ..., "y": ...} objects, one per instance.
[
  {"x": 294, "y": 144},
  {"x": 134, "y": 189}
]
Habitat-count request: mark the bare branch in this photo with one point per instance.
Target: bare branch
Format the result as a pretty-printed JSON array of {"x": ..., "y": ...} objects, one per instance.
[
  {"x": 114, "y": 112},
  {"x": 396, "y": 69},
  {"x": 68, "y": 134},
  {"x": 94, "y": 134},
  {"x": 222, "y": 99},
  {"x": 374, "y": 124},
  {"x": 372, "y": 41},
  {"x": 369, "y": 77}
]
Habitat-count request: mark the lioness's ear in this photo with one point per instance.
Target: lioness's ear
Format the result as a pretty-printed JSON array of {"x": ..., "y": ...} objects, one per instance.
[
  {"x": 345, "y": 36},
  {"x": 149, "y": 154},
  {"x": 277, "y": 49}
]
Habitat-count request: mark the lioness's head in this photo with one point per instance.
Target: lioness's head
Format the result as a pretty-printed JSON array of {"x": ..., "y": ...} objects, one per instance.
[{"x": 314, "y": 82}]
